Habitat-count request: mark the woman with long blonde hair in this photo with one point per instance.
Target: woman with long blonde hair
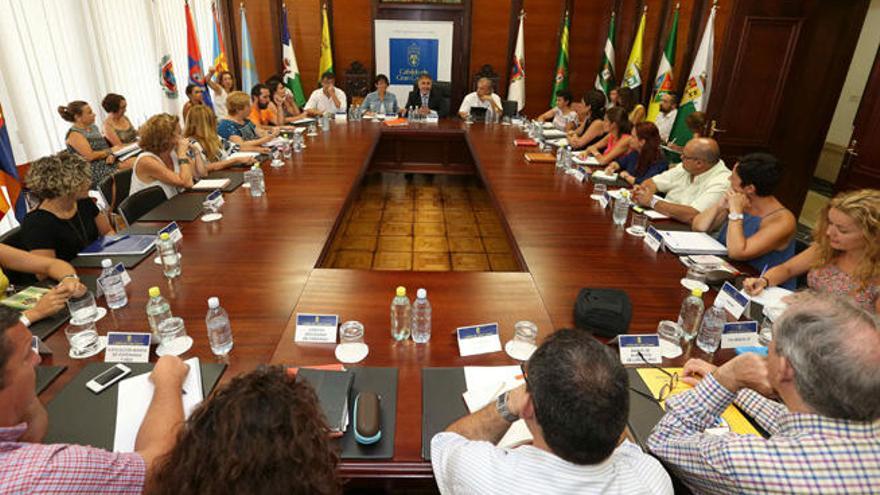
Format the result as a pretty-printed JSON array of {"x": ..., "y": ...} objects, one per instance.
[
  {"x": 201, "y": 130},
  {"x": 845, "y": 255}
]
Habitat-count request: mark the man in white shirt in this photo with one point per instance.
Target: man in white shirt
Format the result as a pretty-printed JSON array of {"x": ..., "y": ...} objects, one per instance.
[
  {"x": 327, "y": 98},
  {"x": 666, "y": 118},
  {"x": 575, "y": 404},
  {"x": 483, "y": 97},
  {"x": 697, "y": 184}
]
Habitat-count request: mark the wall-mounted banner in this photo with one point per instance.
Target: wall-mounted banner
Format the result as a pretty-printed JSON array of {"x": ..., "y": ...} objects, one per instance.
[{"x": 411, "y": 57}]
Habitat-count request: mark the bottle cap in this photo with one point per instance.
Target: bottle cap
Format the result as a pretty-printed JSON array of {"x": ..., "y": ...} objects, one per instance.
[
  {"x": 213, "y": 302},
  {"x": 164, "y": 236},
  {"x": 256, "y": 166},
  {"x": 421, "y": 293},
  {"x": 154, "y": 292},
  {"x": 401, "y": 291},
  {"x": 106, "y": 263},
  {"x": 697, "y": 292}
]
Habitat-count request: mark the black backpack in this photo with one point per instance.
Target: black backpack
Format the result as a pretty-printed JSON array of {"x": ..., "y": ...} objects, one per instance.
[{"x": 605, "y": 312}]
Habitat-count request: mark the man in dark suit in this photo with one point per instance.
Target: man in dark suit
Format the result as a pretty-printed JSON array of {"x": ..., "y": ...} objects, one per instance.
[{"x": 425, "y": 99}]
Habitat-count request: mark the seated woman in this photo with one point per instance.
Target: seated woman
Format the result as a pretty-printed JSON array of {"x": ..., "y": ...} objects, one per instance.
[
  {"x": 285, "y": 109},
  {"x": 117, "y": 127},
  {"x": 627, "y": 98},
  {"x": 616, "y": 142},
  {"x": 645, "y": 159},
  {"x": 696, "y": 123},
  {"x": 562, "y": 115},
  {"x": 592, "y": 128},
  {"x": 201, "y": 130},
  {"x": 844, "y": 258},
  {"x": 380, "y": 99},
  {"x": 167, "y": 160},
  {"x": 66, "y": 220},
  {"x": 53, "y": 301},
  {"x": 754, "y": 225},
  {"x": 238, "y": 128},
  {"x": 264, "y": 432},
  {"x": 222, "y": 87},
  {"x": 86, "y": 140}
]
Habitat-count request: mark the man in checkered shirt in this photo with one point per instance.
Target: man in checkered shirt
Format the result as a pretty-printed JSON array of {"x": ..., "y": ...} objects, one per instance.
[
  {"x": 824, "y": 363},
  {"x": 26, "y": 466}
]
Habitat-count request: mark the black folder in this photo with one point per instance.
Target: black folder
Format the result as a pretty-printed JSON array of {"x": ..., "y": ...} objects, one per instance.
[
  {"x": 184, "y": 207},
  {"x": 128, "y": 261},
  {"x": 46, "y": 375},
  {"x": 382, "y": 381},
  {"x": 79, "y": 416},
  {"x": 442, "y": 402},
  {"x": 332, "y": 388},
  {"x": 47, "y": 326},
  {"x": 644, "y": 413}
]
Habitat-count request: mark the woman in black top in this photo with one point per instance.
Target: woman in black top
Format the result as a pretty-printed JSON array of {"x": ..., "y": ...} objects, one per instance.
[
  {"x": 591, "y": 129},
  {"x": 67, "y": 220}
]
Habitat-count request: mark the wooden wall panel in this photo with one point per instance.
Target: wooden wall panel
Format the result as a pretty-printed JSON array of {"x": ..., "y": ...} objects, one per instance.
[
  {"x": 355, "y": 41},
  {"x": 263, "y": 26},
  {"x": 489, "y": 39},
  {"x": 543, "y": 19},
  {"x": 588, "y": 33},
  {"x": 304, "y": 22}
]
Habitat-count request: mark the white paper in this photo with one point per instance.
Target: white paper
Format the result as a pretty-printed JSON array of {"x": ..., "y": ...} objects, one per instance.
[
  {"x": 655, "y": 215},
  {"x": 600, "y": 174},
  {"x": 479, "y": 345},
  {"x": 561, "y": 142},
  {"x": 211, "y": 184},
  {"x": 135, "y": 395},
  {"x": 692, "y": 243},
  {"x": 772, "y": 297},
  {"x": 585, "y": 160},
  {"x": 484, "y": 384},
  {"x": 245, "y": 154},
  {"x": 553, "y": 134}
]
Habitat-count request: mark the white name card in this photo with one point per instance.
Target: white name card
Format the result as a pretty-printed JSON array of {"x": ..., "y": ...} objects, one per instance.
[
  {"x": 632, "y": 345},
  {"x": 478, "y": 339},
  {"x": 653, "y": 239},
  {"x": 312, "y": 328},
  {"x": 605, "y": 200},
  {"x": 124, "y": 347},
  {"x": 739, "y": 334},
  {"x": 173, "y": 231},
  {"x": 215, "y": 199},
  {"x": 732, "y": 300}
]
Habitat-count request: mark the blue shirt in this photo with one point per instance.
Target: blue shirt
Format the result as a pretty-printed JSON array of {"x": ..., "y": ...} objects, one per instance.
[
  {"x": 751, "y": 225},
  {"x": 228, "y": 128},
  {"x": 372, "y": 102},
  {"x": 630, "y": 163}
]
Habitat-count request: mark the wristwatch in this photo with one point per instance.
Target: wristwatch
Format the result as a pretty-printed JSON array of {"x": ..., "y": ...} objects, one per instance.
[
  {"x": 734, "y": 216},
  {"x": 654, "y": 200},
  {"x": 501, "y": 407}
]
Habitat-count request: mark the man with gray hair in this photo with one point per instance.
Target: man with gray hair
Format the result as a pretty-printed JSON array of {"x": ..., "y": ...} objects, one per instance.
[
  {"x": 483, "y": 97},
  {"x": 824, "y": 364}
]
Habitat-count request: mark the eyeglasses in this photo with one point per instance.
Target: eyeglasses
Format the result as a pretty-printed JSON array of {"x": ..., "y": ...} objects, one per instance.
[
  {"x": 689, "y": 157},
  {"x": 667, "y": 388}
]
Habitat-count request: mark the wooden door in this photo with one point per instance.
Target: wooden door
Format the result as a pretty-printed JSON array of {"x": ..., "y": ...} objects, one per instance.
[
  {"x": 780, "y": 71},
  {"x": 861, "y": 161}
]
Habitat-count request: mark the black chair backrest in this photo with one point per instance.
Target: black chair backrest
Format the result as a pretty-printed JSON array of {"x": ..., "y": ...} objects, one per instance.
[
  {"x": 115, "y": 188},
  {"x": 14, "y": 239},
  {"x": 509, "y": 107},
  {"x": 140, "y": 203},
  {"x": 445, "y": 90}
]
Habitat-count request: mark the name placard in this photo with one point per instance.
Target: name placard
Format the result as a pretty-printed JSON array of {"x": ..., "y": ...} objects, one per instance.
[
  {"x": 125, "y": 347},
  {"x": 605, "y": 200},
  {"x": 647, "y": 345},
  {"x": 732, "y": 300},
  {"x": 653, "y": 239},
  {"x": 478, "y": 339},
  {"x": 173, "y": 231},
  {"x": 316, "y": 329},
  {"x": 118, "y": 269},
  {"x": 215, "y": 199},
  {"x": 739, "y": 334}
]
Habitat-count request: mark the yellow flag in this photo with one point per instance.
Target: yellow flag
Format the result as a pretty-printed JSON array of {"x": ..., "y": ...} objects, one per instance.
[
  {"x": 326, "y": 64},
  {"x": 632, "y": 77}
]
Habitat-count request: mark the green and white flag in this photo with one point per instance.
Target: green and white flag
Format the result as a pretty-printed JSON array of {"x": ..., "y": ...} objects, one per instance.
[
  {"x": 605, "y": 78},
  {"x": 560, "y": 82},
  {"x": 291, "y": 70},
  {"x": 696, "y": 91},
  {"x": 663, "y": 82}
]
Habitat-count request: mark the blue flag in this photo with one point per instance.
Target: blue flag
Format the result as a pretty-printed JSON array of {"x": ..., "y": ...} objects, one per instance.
[
  {"x": 9, "y": 176},
  {"x": 249, "y": 75}
]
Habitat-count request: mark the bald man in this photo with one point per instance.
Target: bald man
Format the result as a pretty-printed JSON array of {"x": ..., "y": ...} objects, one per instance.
[
  {"x": 697, "y": 184},
  {"x": 483, "y": 97}
]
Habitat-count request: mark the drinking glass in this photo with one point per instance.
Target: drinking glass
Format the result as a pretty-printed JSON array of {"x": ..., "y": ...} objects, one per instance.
[
  {"x": 765, "y": 333},
  {"x": 83, "y": 338},
  {"x": 670, "y": 334},
  {"x": 83, "y": 309},
  {"x": 171, "y": 329},
  {"x": 351, "y": 332},
  {"x": 599, "y": 189},
  {"x": 525, "y": 332},
  {"x": 620, "y": 212},
  {"x": 698, "y": 273},
  {"x": 638, "y": 224}
]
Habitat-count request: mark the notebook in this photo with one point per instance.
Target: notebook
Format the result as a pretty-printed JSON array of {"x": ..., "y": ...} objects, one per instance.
[
  {"x": 25, "y": 299},
  {"x": 210, "y": 184},
  {"x": 600, "y": 174},
  {"x": 553, "y": 134},
  {"x": 127, "y": 151},
  {"x": 400, "y": 121},
  {"x": 581, "y": 159},
  {"x": 525, "y": 142},
  {"x": 540, "y": 158},
  {"x": 692, "y": 243},
  {"x": 245, "y": 154},
  {"x": 332, "y": 388},
  {"x": 120, "y": 245}
]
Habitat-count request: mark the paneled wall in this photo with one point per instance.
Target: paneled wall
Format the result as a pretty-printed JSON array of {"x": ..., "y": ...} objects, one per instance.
[{"x": 494, "y": 27}]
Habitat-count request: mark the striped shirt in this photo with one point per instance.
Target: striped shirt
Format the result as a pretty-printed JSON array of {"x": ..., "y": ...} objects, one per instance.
[
  {"x": 806, "y": 453},
  {"x": 57, "y": 468},
  {"x": 464, "y": 466}
]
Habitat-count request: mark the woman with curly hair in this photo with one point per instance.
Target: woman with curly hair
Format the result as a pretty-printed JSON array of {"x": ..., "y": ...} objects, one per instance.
[
  {"x": 844, "y": 258},
  {"x": 66, "y": 220},
  {"x": 264, "y": 432},
  {"x": 168, "y": 160}
]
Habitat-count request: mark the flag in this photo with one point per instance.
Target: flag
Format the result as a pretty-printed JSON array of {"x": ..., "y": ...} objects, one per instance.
[
  {"x": 326, "y": 63},
  {"x": 10, "y": 183},
  {"x": 517, "y": 89},
  {"x": 291, "y": 70},
  {"x": 696, "y": 91},
  {"x": 167, "y": 81},
  {"x": 220, "y": 63},
  {"x": 605, "y": 76},
  {"x": 249, "y": 76},
  {"x": 632, "y": 75},
  {"x": 663, "y": 81},
  {"x": 560, "y": 82},
  {"x": 194, "y": 58}
]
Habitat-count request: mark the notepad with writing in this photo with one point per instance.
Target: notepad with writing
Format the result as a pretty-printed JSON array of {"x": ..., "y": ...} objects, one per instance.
[
  {"x": 210, "y": 184},
  {"x": 540, "y": 158},
  {"x": 120, "y": 245},
  {"x": 332, "y": 388}
]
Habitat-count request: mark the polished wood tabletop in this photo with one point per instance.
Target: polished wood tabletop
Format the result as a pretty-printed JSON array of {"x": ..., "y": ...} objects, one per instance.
[{"x": 261, "y": 259}]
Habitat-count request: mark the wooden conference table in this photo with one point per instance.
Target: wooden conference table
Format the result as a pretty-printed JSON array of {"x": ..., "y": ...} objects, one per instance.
[{"x": 261, "y": 259}]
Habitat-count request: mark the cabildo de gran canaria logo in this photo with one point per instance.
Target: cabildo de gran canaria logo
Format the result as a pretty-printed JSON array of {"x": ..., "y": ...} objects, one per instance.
[{"x": 413, "y": 54}]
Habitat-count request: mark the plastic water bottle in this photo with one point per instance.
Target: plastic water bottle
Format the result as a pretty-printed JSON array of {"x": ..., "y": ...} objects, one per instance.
[
  {"x": 112, "y": 285},
  {"x": 560, "y": 157},
  {"x": 256, "y": 179},
  {"x": 713, "y": 324},
  {"x": 401, "y": 315},
  {"x": 169, "y": 256},
  {"x": 219, "y": 329},
  {"x": 691, "y": 314},
  {"x": 421, "y": 318},
  {"x": 382, "y": 109},
  {"x": 567, "y": 156},
  {"x": 158, "y": 310},
  {"x": 490, "y": 115}
]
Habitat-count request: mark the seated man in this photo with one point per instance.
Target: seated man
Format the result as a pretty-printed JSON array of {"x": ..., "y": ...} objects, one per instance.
[
  {"x": 575, "y": 404},
  {"x": 26, "y": 466},
  {"x": 824, "y": 363},
  {"x": 666, "y": 117},
  {"x": 697, "y": 184},
  {"x": 425, "y": 99},
  {"x": 327, "y": 98},
  {"x": 483, "y": 97},
  {"x": 262, "y": 109}
]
